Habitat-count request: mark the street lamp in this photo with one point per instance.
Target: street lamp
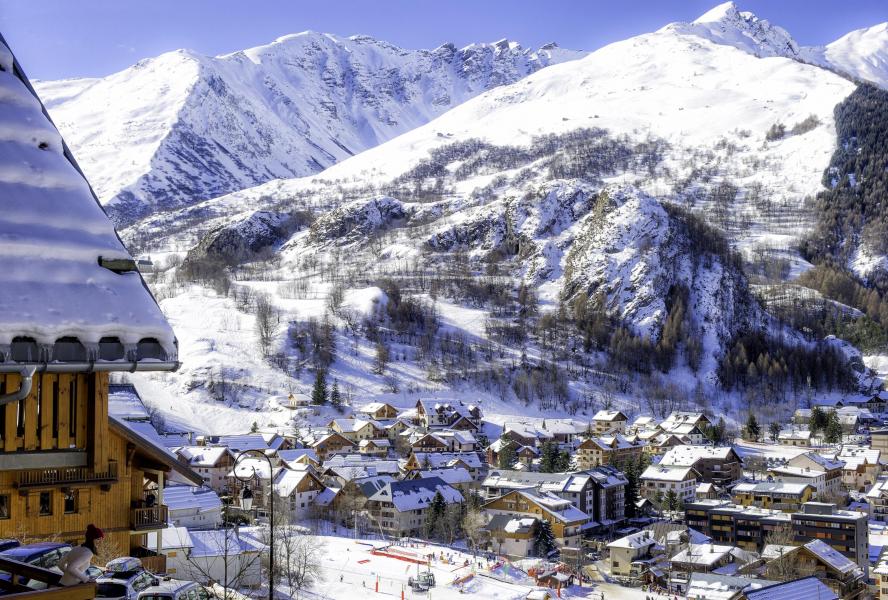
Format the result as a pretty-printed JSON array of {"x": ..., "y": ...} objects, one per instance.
[{"x": 247, "y": 505}]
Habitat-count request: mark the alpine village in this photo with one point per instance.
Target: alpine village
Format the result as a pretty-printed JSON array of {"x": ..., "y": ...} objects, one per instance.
[{"x": 636, "y": 353}]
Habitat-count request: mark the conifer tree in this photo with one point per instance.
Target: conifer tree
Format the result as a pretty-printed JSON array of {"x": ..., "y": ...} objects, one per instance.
[
  {"x": 753, "y": 431},
  {"x": 435, "y": 515},
  {"x": 545, "y": 539},
  {"x": 832, "y": 433},
  {"x": 335, "y": 396},
  {"x": 774, "y": 429},
  {"x": 506, "y": 458},
  {"x": 319, "y": 391}
]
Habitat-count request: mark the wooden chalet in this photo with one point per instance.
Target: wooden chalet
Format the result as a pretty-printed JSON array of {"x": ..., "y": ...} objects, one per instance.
[{"x": 74, "y": 309}]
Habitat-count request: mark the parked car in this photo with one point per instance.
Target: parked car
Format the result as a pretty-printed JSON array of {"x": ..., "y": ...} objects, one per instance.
[
  {"x": 176, "y": 589},
  {"x": 124, "y": 585},
  {"x": 41, "y": 554}
]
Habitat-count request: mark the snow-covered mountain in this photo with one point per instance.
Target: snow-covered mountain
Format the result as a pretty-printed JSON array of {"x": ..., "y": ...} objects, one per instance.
[
  {"x": 860, "y": 54},
  {"x": 182, "y": 127},
  {"x": 587, "y": 180}
]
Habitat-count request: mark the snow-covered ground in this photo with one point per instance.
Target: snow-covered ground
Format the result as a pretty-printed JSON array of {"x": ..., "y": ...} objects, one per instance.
[{"x": 351, "y": 571}]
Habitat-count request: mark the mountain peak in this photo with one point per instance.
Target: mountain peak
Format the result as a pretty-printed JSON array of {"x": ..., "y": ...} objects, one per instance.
[
  {"x": 718, "y": 13},
  {"x": 725, "y": 24}
]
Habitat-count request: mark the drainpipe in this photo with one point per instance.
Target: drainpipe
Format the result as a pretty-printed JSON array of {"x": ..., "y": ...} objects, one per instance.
[{"x": 27, "y": 374}]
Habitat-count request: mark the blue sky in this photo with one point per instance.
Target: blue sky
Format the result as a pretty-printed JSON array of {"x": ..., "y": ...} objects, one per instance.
[{"x": 73, "y": 38}]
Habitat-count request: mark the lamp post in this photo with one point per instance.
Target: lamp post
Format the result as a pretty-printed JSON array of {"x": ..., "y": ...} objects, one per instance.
[{"x": 247, "y": 505}]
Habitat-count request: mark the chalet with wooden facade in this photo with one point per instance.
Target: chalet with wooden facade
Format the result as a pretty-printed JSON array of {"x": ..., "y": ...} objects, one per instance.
[{"x": 74, "y": 309}]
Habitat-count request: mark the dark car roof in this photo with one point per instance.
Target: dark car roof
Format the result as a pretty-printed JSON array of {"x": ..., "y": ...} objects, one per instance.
[{"x": 35, "y": 549}]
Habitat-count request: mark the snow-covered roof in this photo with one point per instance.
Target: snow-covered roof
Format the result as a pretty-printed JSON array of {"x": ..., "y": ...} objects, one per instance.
[
  {"x": 771, "y": 487},
  {"x": 562, "y": 509},
  {"x": 831, "y": 556},
  {"x": 241, "y": 442},
  {"x": 510, "y": 524},
  {"x": 794, "y": 434},
  {"x": 286, "y": 480},
  {"x": 124, "y": 403},
  {"x": 687, "y": 456},
  {"x": 828, "y": 464},
  {"x": 451, "y": 476},
  {"x": 638, "y": 540},
  {"x": 147, "y": 441},
  {"x": 171, "y": 538},
  {"x": 658, "y": 473},
  {"x": 290, "y": 456},
  {"x": 381, "y": 443},
  {"x": 202, "y": 456},
  {"x": 879, "y": 489},
  {"x": 800, "y": 589},
  {"x": 702, "y": 554},
  {"x": 609, "y": 416},
  {"x": 437, "y": 460},
  {"x": 415, "y": 494},
  {"x": 59, "y": 303},
  {"x": 223, "y": 542},
  {"x": 184, "y": 497},
  {"x": 721, "y": 587}
]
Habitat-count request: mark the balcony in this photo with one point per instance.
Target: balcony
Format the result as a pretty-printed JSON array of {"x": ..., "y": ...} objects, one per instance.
[
  {"x": 65, "y": 476},
  {"x": 19, "y": 572},
  {"x": 151, "y": 561},
  {"x": 147, "y": 518}
]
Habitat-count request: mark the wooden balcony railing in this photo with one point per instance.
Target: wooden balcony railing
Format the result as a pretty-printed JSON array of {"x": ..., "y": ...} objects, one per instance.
[
  {"x": 63, "y": 476},
  {"x": 154, "y": 517},
  {"x": 151, "y": 561},
  {"x": 21, "y": 572}
]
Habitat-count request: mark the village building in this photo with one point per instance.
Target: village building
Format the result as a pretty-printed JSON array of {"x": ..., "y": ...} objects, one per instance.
[
  {"x": 377, "y": 411},
  {"x": 566, "y": 520},
  {"x": 794, "y": 437},
  {"x": 330, "y": 444},
  {"x": 515, "y": 537},
  {"x": 355, "y": 430},
  {"x": 434, "y": 414},
  {"x": 817, "y": 558},
  {"x": 609, "y": 421},
  {"x": 298, "y": 490},
  {"x": 788, "y": 497},
  {"x": 629, "y": 555},
  {"x": 718, "y": 465},
  {"x": 824, "y": 473},
  {"x": 611, "y": 450},
  {"x": 399, "y": 508},
  {"x": 657, "y": 481},
  {"x": 212, "y": 463},
  {"x": 862, "y": 466},
  {"x": 193, "y": 507}
]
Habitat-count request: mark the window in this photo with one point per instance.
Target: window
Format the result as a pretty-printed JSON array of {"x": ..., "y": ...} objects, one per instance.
[
  {"x": 70, "y": 502},
  {"x": 4, "y": 506},
  {"x": 45, "y": 504}
]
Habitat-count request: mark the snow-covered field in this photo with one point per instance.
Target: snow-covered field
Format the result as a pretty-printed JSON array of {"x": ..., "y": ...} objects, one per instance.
[{"x": 351, "y": 571}]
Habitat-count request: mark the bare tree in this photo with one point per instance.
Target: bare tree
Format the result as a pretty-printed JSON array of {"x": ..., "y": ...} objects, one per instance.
[
  {"x": 787, "y": 566},
  {"x": 473, "y": 526},
  {"x": 267, "y": 320}
]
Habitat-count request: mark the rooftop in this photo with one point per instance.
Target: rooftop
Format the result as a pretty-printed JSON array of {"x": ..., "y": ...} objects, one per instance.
[{"x": 59, "y": 303}]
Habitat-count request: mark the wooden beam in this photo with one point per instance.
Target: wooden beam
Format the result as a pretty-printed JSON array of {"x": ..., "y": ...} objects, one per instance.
[
  {"x": 47, "y": 416},
  {"x": 31, "y": 433},
  {"x": 81, "y": 591},
  {"x": 82, "y": 409},
  {"x": 64, "y": 439},
  {"x": 101, "y": 407},
  {"x": 10, "y": 433},
  {"x": 30, "y": 571}
]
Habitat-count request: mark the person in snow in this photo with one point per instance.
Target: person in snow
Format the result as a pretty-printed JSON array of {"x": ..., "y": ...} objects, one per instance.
[{"x": 75, "y": 563}]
